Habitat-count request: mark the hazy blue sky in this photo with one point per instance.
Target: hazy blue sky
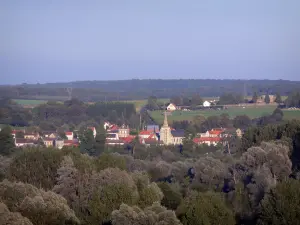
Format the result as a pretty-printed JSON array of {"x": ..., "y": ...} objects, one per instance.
[{"x": 67, "y": 40}]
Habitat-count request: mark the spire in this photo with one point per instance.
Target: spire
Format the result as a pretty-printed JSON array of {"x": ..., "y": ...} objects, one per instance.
[{"x": 165, "y": 120}]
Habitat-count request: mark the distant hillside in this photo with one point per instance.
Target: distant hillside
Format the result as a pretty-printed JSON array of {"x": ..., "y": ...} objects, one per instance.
[{"x": 141, "y": 89}]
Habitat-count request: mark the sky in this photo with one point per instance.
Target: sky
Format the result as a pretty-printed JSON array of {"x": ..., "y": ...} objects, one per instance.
[{"x": 71, "y": 40}]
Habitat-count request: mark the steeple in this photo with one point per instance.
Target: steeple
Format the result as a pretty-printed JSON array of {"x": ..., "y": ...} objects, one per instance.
[{"x": 165, "y": 120}]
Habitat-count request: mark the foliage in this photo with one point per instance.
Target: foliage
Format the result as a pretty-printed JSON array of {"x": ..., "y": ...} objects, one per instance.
[
  {"x": 267, "y": 99},
  {"x": 155, "y": 214},
  {"x": 210, "y": 206},
  {"x": 282, "y": 204},
  {"x": 12, "y": 218},
  {"x": 42, "y": 208},
  {"x": 230, "y": 98},
  {"x": 278, "y": 98},
  {"x": 172, "y": 198},
  {"x": 255, "y": 97},
  {"x": 36, "y": 166},
  {"x": 293, "y": 100},
  {"x": 110, "y": 161},
  {"x": 7, "y": 143}
]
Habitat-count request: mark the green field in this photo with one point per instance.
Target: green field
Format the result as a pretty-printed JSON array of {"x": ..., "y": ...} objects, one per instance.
[
  {"x": 291, "y": 114},
  {"x": 29, "y": 102},
  {"x": 252, "y": 112}
]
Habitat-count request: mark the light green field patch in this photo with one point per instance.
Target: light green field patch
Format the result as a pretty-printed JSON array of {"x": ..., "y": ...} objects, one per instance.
[
  {"x": 252, "y": 112},
  {"x": 30, "y": 102}
]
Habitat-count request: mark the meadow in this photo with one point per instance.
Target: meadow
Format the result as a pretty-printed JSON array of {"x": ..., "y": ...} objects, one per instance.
[
  {"x": 252, "y": 112},
  {"x": 29, "y": 102}
]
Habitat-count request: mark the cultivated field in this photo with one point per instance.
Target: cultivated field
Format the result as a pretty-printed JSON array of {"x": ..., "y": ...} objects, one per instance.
[
  {"x": 252, "y": 112},
  {"x": 29, "y": 102}
]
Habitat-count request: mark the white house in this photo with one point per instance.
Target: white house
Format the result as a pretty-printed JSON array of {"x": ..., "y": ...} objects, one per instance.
[
  {"x": 69, "y": 135},
  {"x": 206, "y": 104},
  {"x": 171, "y": 107}
]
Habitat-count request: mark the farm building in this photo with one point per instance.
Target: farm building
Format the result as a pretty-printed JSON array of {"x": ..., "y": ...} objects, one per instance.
[{"x": 206, "y": 104}]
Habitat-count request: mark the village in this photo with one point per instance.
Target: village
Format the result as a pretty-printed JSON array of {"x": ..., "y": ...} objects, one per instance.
[{"x": 121, "y": 135}]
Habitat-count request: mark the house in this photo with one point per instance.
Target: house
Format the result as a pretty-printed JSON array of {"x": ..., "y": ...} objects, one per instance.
[
  {"x": 114, "y": 142},
  {"x": 206, "y": 104},
  {"x": 50, "y": 134},
  {"x": 31, "y": 136},
  {"x": 93, "y": 129},
  {"x": 69, "y": 135},
  {"x": 71, "y": 143},
  {"x": 113, "y": 127},
  {"x": 112, "y": 136},
  {"x": 127, "y": 139},
  {"x": 150, "y": 142},
  {"x": 14, "y": 132},
  {"x": 216, "y": 132},
  {"x": 178, "y": 136},
  {"x": 152, "y": 128},
  {"x": 239, "y": 133},
  {"x": 21, "y": 142},
  {"x": 106, "y": 125},
  {"x": 145, "y": 134},
  {"x": 207, "y": 140},
  {"x": 171, "y": 107},
  {"x": 48, "y": 142},
  {"x": 123, "y": 131},
  {"x": 59, "y": 143}
]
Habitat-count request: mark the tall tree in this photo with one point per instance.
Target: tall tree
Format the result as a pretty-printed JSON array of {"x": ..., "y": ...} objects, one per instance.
[
  {"x": 267, "y": 99},
  {"x": 278, "y": 98},
  {"x": 282, "y": 205},
  {"x": 255, "y": 97},
  {"x": 87, "y": 143},
  {"x": 100, "y": 140},
  {"x": 152, "y": 103},
  {"x": 196, "y": 100},
  {"x": 177, "y": 100},
  {"x": 7, "y": 143}
]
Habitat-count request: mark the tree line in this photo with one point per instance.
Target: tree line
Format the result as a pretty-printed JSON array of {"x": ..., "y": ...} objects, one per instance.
[
  {"x": 69, "y": 115},
  {"x": 141, "y": 89}
]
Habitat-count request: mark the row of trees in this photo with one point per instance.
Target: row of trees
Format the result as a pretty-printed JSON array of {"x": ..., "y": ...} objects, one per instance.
[
  {"x": 70, "y": 115},
  {"x": 141, "y": 89}
]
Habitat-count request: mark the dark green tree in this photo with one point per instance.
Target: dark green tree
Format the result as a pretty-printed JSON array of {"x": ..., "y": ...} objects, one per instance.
[
  {"x": 7, "y": 143},
  {"x": 152, "y": 103},
  {"x": 282, "y": 204},
  {"x": 205, "y": 208},
  {"x": 196, "y": 100},
  {"x": 278, "y": 98},
  {"x": 267, "y": 99},
  {"x": 255, "y": 97},
  {"x": 172, "y": 198},
  {"x": 100, "y": 139},
  {"x": 87, "y": 143}
]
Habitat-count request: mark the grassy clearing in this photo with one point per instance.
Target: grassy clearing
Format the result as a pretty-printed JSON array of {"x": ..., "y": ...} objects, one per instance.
[
  {"x": 252, "y": 112},
  {"x": 291, "y": 114},
  {"x": 30, "y": 102}
]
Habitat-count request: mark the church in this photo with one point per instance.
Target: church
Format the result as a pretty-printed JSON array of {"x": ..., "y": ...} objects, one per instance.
[{"x": 169, "y": 136}]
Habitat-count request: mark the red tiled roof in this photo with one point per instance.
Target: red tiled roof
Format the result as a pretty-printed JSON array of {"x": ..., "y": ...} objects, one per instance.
[
  {"x": 145, "y": 132},
  {"x": 206, "y": 139},
  {"x": 17, "y": 131},
  {"x": 114, "y": 127},
  {"x": 152, "y": 136},
  {"x": 92, "y": 128},
  {"x": 68, "y": 133},
  {"x": 127, "y": 139},
  {"x": 216, "y": 132},
  {"x": 24, "y": 141}
]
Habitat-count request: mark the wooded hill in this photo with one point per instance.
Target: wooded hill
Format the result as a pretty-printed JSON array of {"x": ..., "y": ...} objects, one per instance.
[{"x": 141, "y": 89}]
